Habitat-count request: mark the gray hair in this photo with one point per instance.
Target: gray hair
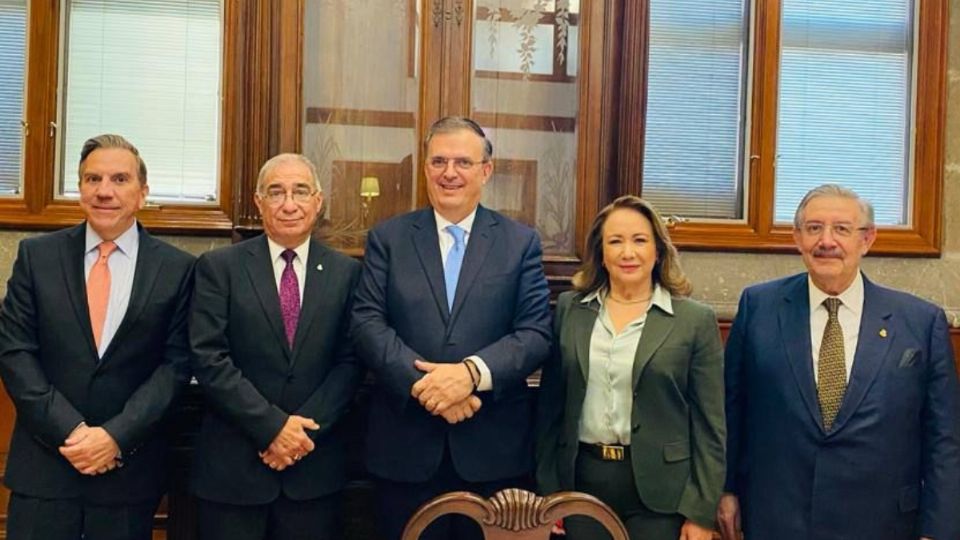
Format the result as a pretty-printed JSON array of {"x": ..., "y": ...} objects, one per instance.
[
  {"x": 834, "y": 190},
  {"x": 109, "y": 140},
  {"x": 279, "y": 159},
  {"x": 451, "y": 124}
]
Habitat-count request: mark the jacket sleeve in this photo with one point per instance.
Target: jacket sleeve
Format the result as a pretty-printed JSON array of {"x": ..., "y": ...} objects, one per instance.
[
  {"x": 329, "y": 402},
  {"x": 149, "y": 403},
  {"x": 550, "y": 407},
  {"x": 224, "y": 385},
  {"x": 734, "y": 399},
  {"x": 376, "y": 342},
  {"x": 518, "y": 354},
  {"x": 941, "y": 439},
  {"x": 707, "y": 424},
  {"x": 41, "y": 409}
]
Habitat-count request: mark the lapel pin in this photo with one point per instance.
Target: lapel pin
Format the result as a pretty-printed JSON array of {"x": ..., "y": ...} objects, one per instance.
[
  {"x": 883, "y": 332},
  {"x": 320, "y": 267}
]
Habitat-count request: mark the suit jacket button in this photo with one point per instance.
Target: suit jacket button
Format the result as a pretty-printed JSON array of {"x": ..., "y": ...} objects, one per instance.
[{"x": 636, "y": 427}]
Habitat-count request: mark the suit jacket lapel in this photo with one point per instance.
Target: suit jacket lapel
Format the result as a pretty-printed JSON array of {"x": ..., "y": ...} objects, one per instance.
[
  {"x": 427, "y": 246},
  {"x": 794, "y": 318},
  {"x": 482, "y": 237},
  {"x": 71, "y": 259},
  {"x": 582, "y": 319},
  {"x": 259, "y": 269},
  {"x": 656, "y": 328},
  {"x": 148, "y": 267},
  {"x": 316, "y": 281},
  {"x": 872, "y": 349}
]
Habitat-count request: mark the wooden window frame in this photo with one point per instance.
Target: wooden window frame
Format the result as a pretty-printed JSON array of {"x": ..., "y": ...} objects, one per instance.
[
  {"x": 38, "y": 206},
  {"x": 758, "y": 231}
]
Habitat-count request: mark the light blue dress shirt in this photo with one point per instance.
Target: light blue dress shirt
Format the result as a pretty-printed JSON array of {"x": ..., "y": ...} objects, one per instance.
[{"x": 122, "y": 263}]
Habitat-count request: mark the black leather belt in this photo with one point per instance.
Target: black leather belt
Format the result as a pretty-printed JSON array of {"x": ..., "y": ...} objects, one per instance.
[{"x": 606, "y": 452}]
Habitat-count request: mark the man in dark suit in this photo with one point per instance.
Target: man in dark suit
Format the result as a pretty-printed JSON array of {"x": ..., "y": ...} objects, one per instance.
[
  {"x": 93, "y": 350},
  {"x": 451, "y": 314},
  {"x": 269, "y": 333},
  {"x": 843, "y": 414}
]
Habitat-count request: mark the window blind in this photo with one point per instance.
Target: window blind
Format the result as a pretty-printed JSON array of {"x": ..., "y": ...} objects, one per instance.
[
  {"x": 844, "y": 102},
  {"x": 13, "y": 26},
  {"x": 148, "y": 70},
  {"x": 695, "y": 104}
]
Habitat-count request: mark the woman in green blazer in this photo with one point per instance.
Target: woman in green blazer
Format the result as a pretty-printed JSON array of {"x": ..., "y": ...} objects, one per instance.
[{"x": 631, "y": 402}]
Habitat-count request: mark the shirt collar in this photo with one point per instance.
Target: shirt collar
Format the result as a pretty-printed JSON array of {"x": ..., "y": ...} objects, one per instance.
[
  {"x": 276, "y": 250},
  {"x": 126, "y": 242},
  {"x": 465, "y": 223},
  {"x": 660, "y": 298},
  {"x": 852, "y": 298}
]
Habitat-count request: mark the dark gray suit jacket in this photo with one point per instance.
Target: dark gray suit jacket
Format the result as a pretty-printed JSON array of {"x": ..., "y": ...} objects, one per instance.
[
  {"x": 49, "y": 366},
  {"x": 253, "y": 381},
  {"x": 677, "y": 439}
]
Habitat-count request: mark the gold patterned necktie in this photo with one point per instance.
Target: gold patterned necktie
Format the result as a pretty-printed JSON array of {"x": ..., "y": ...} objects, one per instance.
[{"x": 831, "y": 369}]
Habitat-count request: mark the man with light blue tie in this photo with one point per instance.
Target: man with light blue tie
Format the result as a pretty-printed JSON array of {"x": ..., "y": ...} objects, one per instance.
[
  {"x": 451, "y": 315},
  {"x": 93, "y": 351}
]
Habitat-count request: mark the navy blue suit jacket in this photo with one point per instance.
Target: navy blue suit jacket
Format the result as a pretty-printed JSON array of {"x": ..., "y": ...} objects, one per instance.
[
  {"x": 500, "y": 313},
  {"x": 888, "y": 468}
]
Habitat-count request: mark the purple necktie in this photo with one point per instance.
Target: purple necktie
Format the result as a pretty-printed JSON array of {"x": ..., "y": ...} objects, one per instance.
[{"x": 289, "y": 296}]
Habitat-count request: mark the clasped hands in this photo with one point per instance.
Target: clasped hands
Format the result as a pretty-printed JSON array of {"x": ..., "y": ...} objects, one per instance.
[
  {"x": 291, "y": 444},
  {"x": 446, "y": 390},
  {"x": 91, "y": 450}
]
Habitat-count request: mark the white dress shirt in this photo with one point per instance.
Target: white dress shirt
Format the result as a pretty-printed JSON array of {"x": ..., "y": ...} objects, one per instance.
[
  {"x": 122, "y": 264},
  {"x": 849, "y": 315},
  {"x": 608, "y": 401},
  {"x": 446, "y": 243},
  {"x": 299, "y": 263}
]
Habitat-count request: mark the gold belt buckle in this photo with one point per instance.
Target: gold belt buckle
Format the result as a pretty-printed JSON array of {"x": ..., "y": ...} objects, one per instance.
[{"x": 612, "y": 452}]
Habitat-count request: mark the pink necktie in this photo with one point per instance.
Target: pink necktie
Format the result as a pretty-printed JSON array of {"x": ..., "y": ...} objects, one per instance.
[
  {"x": 289, "y": 297},
  {"x": 98, "y": 290}
]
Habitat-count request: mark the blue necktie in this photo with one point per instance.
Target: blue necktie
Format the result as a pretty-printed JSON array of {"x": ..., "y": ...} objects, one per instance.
[{"x": 451, "y": 272}]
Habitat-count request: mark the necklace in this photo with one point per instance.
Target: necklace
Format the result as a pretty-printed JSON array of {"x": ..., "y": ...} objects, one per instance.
[{"x": 627, "y": 302}]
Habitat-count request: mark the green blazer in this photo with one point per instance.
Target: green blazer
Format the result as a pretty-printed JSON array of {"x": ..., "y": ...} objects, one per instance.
[{"x": 677, "y": 423}]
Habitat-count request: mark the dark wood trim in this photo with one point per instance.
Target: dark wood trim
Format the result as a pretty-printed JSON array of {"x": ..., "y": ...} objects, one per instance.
[
  {"x": 633, "y": 105},
  {"x": 517, "y": 76},
  {"x": 287, "y": 75},
  {"x": 550, "y": 124},
  {"x": 360, "y": 117}
]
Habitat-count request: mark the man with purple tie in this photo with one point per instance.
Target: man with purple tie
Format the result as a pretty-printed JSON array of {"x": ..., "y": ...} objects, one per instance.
[{"x": 269, "y": 336}]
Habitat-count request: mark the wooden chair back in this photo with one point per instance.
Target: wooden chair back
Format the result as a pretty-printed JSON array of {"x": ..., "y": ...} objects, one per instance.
[{"x": 515, "y": 514}]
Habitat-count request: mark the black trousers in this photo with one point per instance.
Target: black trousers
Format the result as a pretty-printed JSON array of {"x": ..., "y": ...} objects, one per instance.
[
  {"x": 612, "y": 482},
  {"x": 282, "y": 519},
  {"x": 398, "y": 501},
  {"x": 32, "y": 518}
]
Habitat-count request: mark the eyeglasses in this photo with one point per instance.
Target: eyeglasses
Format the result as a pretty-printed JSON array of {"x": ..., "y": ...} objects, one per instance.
[
  {"x": 439, "y": 163},
  {"x": 277, "y": 196},
  {"x": 840, "y": 230}
]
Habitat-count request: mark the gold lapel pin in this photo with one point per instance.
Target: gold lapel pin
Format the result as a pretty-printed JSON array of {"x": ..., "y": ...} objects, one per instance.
[{"x": 883, "y": 332}]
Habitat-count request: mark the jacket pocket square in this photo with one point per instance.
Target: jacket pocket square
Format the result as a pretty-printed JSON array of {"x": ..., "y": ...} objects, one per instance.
[{"x": 909, "y": 358}]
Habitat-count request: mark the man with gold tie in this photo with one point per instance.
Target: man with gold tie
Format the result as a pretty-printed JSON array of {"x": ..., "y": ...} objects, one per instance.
[
  {"x": 843, "y": 415},
  {"x": 93, "y": 350}
]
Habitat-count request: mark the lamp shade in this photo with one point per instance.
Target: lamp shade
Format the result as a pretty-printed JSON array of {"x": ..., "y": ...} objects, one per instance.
[{"x": 369, "y": 186}]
